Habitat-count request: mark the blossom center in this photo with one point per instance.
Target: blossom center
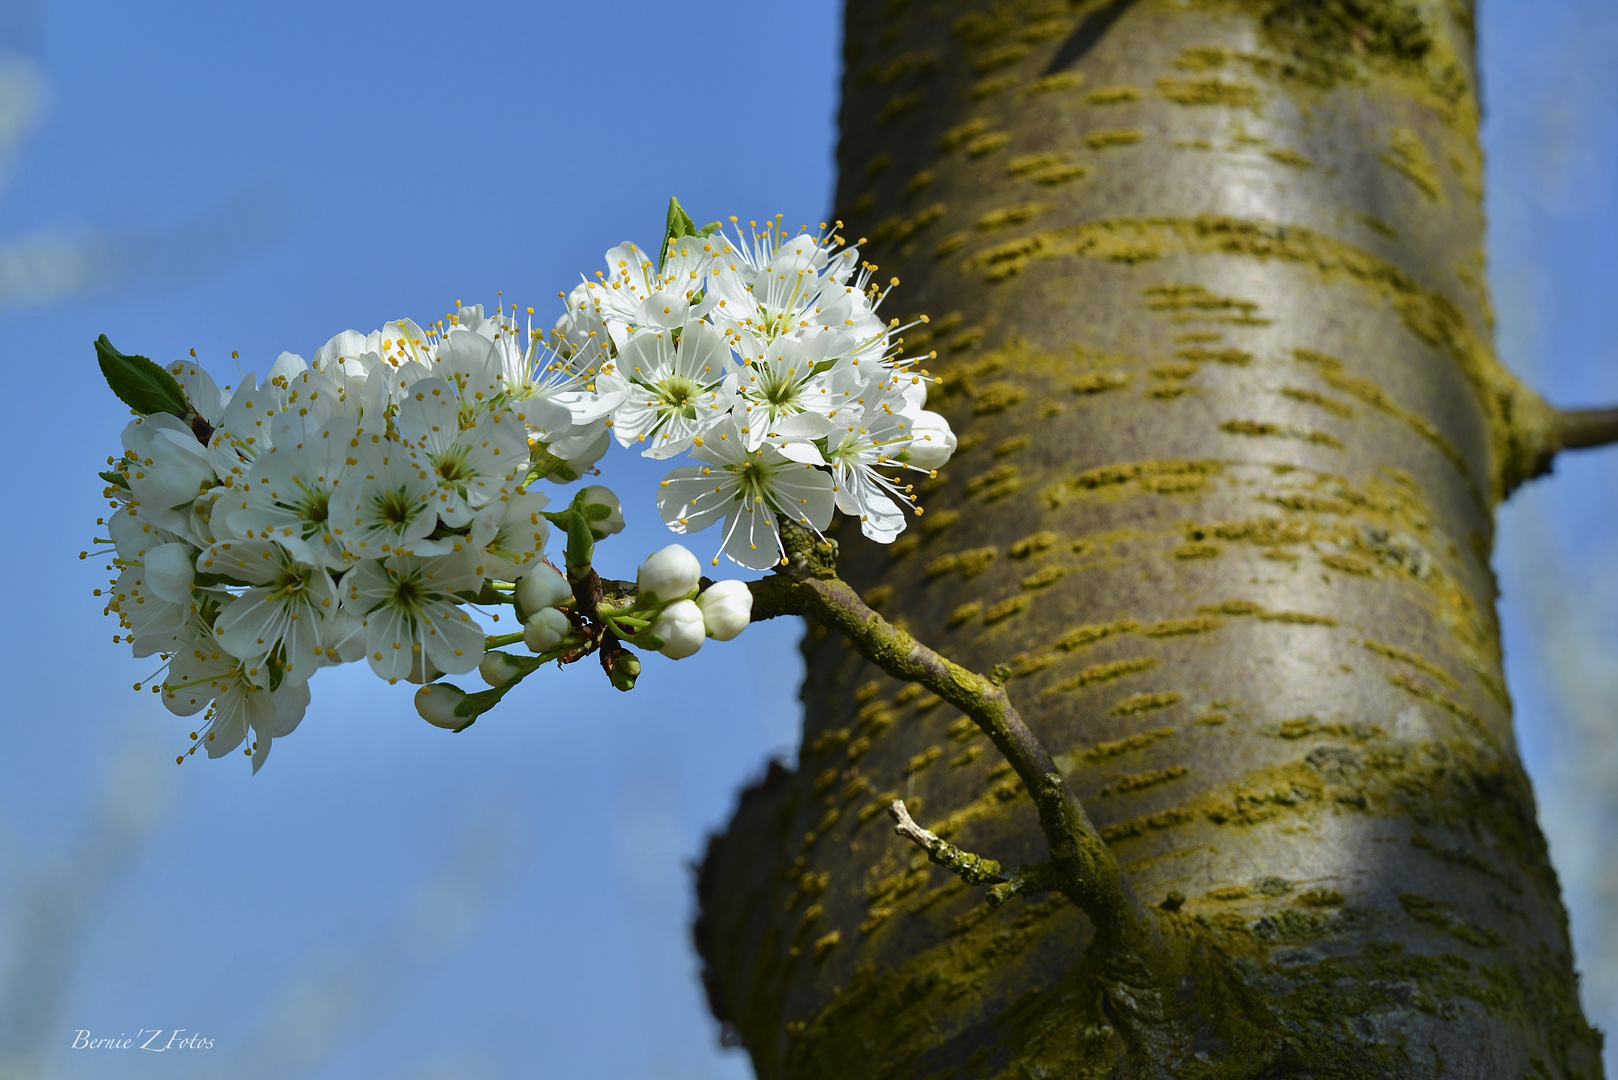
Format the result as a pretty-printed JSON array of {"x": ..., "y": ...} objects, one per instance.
[{"x": 397, "y": 509}]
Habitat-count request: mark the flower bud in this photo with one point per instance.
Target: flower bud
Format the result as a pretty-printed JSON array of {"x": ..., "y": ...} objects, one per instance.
[
  {"x": 545, "y": 630},
  {"x": 680, "y": 629},
  {"x": 625, "y": 670},
  {"x": 436, "y": 703},
  {"x": 498, "y": 668},
  {"x": 542, "y": 586},
  {"x": 603, "y": 525},
  {"x": 671, "y": 574},
  {"x": 931, "y": 441},
  {"x": 727, "y": 607}
]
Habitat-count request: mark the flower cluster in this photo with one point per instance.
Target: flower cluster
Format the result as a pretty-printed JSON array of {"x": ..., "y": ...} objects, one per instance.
[
  {"x": 762, "y": 357},
  {"x": 362, "y": 505},
  {"x": 342, "y": 509}
]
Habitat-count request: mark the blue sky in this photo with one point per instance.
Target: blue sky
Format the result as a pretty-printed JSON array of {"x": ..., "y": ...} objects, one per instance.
[{"x": 385, "y": 899}]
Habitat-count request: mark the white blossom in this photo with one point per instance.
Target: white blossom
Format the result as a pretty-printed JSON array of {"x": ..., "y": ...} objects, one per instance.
[
  {"x": 278, "y": 619},
  {"x": 237, "y": 697},
  {"x": 674, "y": 393},
  {"x": 870, "y": 437},
  {"x": 746, "y": 490},
  {"x": 412, "y": 616},
  {"x": 167, "y": 468},
  {"x": 388, "y": 504},
  {"x": 511, "y": 531},
  {"x": 471, "y": 465},
  {"x": 289, "y": 490}
]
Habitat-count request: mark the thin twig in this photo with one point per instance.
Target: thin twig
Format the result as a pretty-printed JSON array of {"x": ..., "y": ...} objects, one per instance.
[{"x": 972, "y": 869}]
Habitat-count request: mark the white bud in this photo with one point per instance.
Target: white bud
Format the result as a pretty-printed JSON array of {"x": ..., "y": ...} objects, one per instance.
[
  {"x": 436, "y": 703},
  {"x": 545, "y": 630},
  {"x": 498, "y": 669},
  {"x": 542, "y": 586},
  {"x": 680, "y": 629},
  {"x": 671, "y": 574},
  {"x": 727, "y": 608},
  {"x": 931, "y": 441},
  {"x": 596, "y": 495}
]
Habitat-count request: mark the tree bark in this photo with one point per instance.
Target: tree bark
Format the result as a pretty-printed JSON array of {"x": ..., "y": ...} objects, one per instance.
[{"x": 1206, "y": 287}]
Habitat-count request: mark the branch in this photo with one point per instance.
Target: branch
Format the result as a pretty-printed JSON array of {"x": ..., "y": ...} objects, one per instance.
[
  {"x": 1081, "y": 865},
  {"x": 1574, "y": 429},
  {"x": 1579, "y": 429},
  {"x": 970, "y": 868}
]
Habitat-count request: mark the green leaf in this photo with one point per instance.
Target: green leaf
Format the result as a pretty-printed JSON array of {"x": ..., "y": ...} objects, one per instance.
[
  {"x": 115, "y": 479},
  {"x": 138, "y": 382}
]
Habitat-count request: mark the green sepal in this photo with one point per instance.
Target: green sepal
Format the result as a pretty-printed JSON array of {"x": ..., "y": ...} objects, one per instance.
[
  {"x": 581, "y": 542},
  {"x": 115, "y": 479},
  {"x": 679, "y": 224},
  {"x": 547, "y": 466},
  {"x": 488, "y": 594},
  {"x": 139, "y": 383}
]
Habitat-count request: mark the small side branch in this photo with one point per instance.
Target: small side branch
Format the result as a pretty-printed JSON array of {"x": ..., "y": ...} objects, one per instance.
[
  {"x": 1579, "y": 429},
  {"x": 972, "y": 869},
  {"x": 1573, "y": 429},
  {"x": 1081, "y": 866}
]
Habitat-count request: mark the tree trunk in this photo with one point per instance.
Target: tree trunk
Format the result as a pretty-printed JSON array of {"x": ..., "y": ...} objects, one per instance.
[{"x": 1207, "y": 292}]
